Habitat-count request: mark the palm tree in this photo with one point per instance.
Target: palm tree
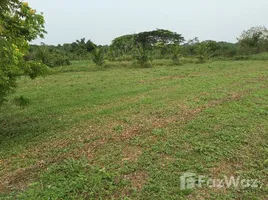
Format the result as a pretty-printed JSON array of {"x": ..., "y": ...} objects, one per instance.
[
  {"x": 42, "y": 54},
  {"x": 176, "y": 54},
  {"x": 202, "y": 52},
  {"x": 142, "y": 56},
  {"x": 98, "y": 56}
]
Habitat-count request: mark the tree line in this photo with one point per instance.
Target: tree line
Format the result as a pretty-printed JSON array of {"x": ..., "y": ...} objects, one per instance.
[
  {"x": 157, "y": 44},
  {"x": 20, "y": 24}
]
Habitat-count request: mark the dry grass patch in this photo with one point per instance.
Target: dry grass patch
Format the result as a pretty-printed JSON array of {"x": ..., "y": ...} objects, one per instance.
[
  {"x": 137, "y": 179},
  {"x": 131, "y": 153},
  {"x": 227, "y": 168}
]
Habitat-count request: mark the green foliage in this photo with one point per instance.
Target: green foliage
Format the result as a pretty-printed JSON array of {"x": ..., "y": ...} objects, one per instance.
[
  {"x": 202, "y": 52},
  {"x": 212, "y": 46},
  {"x": 151, "y": 38},
  {"x": 21, "y": 101},
  {"x": 189, "y": 48},
  {"x": 176, "y": 54},
  {"x": 225, "y": 50},
  {"x": 82, "y": 47},
  {"x": 161, "y": 50},
  {"x": 40, "y": 53},
  {"x": 145, "y": 45},
  {"x": 98, "y": 56},
  {"x": 8, "y": 69},
  {"x": 90, "y": 46},
  {"x": 78, "y": 50},
  {"x": 254, "y": 40},
  {"x": 159, "y": 44},
  {"x": 34, "y": 69},
  {"x": 19, "y": 24},
  {"x": 260, "y": 56},
  {"x": 74, "y": 179},
  {"x": 142, "y": 57},
  {"x": 241, "y": 57},
  {"x": 48, "y": 55},
  {"x": 122, "y": 45}
]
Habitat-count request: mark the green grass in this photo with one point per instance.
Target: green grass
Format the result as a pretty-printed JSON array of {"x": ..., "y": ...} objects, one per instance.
[
  {"x": 124, "y": 132},
  {"x": 260, "y": 56}
]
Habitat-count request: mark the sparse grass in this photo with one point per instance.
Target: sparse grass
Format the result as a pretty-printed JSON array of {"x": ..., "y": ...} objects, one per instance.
[{"x": 130, "y": 132}]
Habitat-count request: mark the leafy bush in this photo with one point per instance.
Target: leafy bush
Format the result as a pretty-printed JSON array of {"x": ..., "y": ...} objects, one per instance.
[
  {"x": 202, "y": 52},
  {"x": 176, "y": 56},
  {"x": 98, "y": 57},
  {"x": 49, "y": 56},
  {"x": 142, "y": 57},
  {"x": 124, "y": 58},
  {"x": 260, "y": 56},
  {"x": 254, "y": 40},
  {"x": 241, "y": 57},
  {"x": 19, "y": 25},
  {"x": 57, "y": 61}
]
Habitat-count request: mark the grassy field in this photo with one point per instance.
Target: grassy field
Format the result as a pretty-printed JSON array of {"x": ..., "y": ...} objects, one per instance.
[{"x": 130, "y": 133}]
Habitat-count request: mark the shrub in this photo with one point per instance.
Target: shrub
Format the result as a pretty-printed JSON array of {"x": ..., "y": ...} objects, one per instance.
[
  {"x": 49, "y": 56},
  {"x": 176, "y": 56},
  {"x": 98, "y": 57},
  {"x": 241, "y": 57},
  {"x": 142, "y": 57},
  {"x": 202, "y": 53}
]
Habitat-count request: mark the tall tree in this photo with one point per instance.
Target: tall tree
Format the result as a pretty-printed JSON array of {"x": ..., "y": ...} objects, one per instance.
[
  {"x": 160, "y": 39},
  {"x": 90, "y": 46},
  {"x": 254, "y": 39},
  {"x": 123, "y": 44},
  {"x": 151, "y": 38}
]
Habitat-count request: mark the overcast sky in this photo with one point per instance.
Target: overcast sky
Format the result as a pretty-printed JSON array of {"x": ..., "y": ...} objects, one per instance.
[{"x": 103, "y": 20}]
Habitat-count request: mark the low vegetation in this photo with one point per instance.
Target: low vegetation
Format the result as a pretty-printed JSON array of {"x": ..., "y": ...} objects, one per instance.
[
  {"x": 132, "y": 137},
  {"x": 97, "y": 56},
  {"x": 127, "y": 120}
]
